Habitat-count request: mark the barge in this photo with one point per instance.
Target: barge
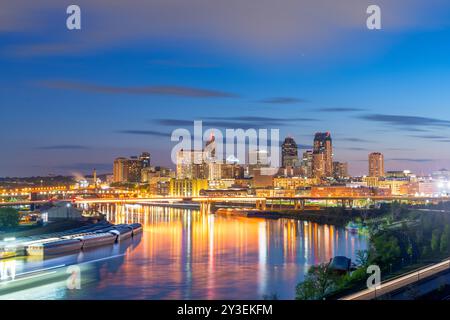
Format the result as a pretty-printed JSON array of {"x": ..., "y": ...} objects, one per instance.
[
  {"x": 58, "y": 247},
  {"x": 95, "y": 240}
]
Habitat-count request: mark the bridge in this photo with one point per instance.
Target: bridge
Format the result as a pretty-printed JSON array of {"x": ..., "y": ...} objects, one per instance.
[{"x": 261, "y": 203}]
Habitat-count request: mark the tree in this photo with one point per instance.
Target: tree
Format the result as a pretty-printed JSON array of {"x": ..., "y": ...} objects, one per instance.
[
  {"x": 318, "y": 282},
  {"x": 444, "y": 241},
  {"x": 435, "y": 239},
  {"x": 387, "y": 250},
  {"x": 9, "y": 218},
  {"x": 362, "y": 257}
]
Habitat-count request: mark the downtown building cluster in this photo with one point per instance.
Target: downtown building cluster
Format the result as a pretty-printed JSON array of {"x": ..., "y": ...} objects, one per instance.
[{"x": 315, "y": 173}]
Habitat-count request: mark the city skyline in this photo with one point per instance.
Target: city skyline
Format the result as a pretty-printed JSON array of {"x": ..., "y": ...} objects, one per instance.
[{"x": 77, "y": 100}]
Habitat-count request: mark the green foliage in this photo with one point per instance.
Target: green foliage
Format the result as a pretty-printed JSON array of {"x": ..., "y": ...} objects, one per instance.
[
  {"x": 318, "y": 282},
  {"x": 387, "y": 249},
  {"x": 9, "y": 218},
  {"x": 445, "y": 240},
  {"x": 362, "y": 258},
  {"x": 435, "y": 239}
]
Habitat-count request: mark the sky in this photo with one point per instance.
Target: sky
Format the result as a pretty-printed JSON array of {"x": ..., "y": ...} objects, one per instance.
[{"x": 73, "y": 100}]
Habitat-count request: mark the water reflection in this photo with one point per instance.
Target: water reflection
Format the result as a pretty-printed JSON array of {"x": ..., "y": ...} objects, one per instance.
[
  {"x": 186, "y": 255},
  {"x": 183, "y": 254}
]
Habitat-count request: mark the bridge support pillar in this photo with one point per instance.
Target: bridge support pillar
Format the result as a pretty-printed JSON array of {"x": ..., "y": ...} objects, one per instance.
[
  {"x": 261, "y": 205},
  {"x": 205, "y": 207},
  {"x": 299, "y": 205}
]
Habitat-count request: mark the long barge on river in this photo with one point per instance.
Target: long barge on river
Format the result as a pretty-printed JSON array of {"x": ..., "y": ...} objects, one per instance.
[{"x": 75, "y": 240}]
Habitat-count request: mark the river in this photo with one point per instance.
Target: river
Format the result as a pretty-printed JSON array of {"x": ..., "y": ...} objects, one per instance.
[{"x": 183, "y": 254}]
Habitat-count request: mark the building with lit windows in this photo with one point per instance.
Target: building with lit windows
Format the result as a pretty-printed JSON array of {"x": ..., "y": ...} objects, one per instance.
[
  {"x": 322, "y": 155},
  {"x": 289, "y": 153},
  {"x": 376, "y": 164},
  {"x": 187, "y": 187}
]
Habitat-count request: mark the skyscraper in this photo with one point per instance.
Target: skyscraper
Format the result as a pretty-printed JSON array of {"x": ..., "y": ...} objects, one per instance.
[
  {"x": 307, "y": 163},
  {"x": 340, "y": 169},
  {"x": 376, "y": 164},
  {"x": 134, "y": 169},
  {"x": 129, "y": 170},
  {"x": 322, "y": 155},
  {"x": 190, "y": 165},
  {"x": 289, "y": 153},
  {"x": 120, "y": 170},
  {"x": 145, "y": 159}
]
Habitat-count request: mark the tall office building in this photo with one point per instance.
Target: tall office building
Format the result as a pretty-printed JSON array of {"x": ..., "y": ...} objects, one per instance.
[
  {"x": 340, "y": 169},
  {"x": 129, "y": 170},
  {"x": 289, "y": 153},
  {"x": 145, "y": 159},
  {"x": 322, "y": 155},
  {"x": 134, "y": 169},
  {"x": 120, "y": 170},
  {"x": 190, "y": 165},
  {"x": 376, "y": 164},
  {"x": 307, "y": 163}
]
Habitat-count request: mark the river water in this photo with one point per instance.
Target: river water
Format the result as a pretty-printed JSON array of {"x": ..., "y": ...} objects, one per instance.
[{"x": 183, "y": 254}]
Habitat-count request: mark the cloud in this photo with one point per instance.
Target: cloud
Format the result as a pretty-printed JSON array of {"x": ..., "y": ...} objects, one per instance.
[
  {"x": 400, "y": 149},
  {"x": 243, "y": 122},
  {"x": 181, "y": 64},
  {"x": 84, "y": 166},
  {"x": 64, "y": 147},
  {"x": 356, "y": 149},
  {"x": 411, "y": 160},
  {"x": 146, "y": 133},
  {"x": 406, "y": 122},
  {"x": 355, "y": 140},
  {"x": 339, "y": 109},
  {"x": 431, "y": 137},
  {"x": 283, "y": 100},
  {"x": 168, "y": 90},
  {"x": 253, "y": 27}
]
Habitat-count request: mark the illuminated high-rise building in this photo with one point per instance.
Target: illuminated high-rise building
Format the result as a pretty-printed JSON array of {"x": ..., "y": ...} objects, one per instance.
[
  {"x": 134, "y": 169},
  {"x": 376, "y": 164},
  {"x": 340, "y": 169},
  {"x": 145, "y": 159},
  {"x": 322, "y": 155},
  {"x": 129, "y": 170},
  {"x": 289, "y": 153},
  {"x": 190, "y": 165},
  {"x": 120, "y": 170},
  {"x": 307, "y": 163}
]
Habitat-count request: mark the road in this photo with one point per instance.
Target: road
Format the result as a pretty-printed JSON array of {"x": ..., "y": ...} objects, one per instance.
[{"x": 400, "y": 282}]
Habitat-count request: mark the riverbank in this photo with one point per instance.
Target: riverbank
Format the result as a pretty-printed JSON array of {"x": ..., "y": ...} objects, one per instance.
[{"x": 333, "y": 215}]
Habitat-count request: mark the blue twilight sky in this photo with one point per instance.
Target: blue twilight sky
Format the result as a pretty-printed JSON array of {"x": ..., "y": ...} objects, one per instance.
[{"x": 74, "y": 100}]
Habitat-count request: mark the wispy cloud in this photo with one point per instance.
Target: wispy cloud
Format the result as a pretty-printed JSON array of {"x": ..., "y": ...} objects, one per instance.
[
  {"x": 167, "y": 90},
  {"x": 339, "y": 110},
  {"x": 287, "y": 27},
  {"x": 437, "y": 138},
  {"x": 64, "y": 147},
  {"x": 406, "y": 122},
  {"x": 283, "y": 100},
  {"x": 355, "y": 140},
  {"x": 410, "y": 160},
  {"x": 243, "y": 122},
  {"x": 356, "y": 149},
  {"x": 85, "y": 166},
  {"x": 181, "y": 64},
  {"x": 146, "y": 133}
]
